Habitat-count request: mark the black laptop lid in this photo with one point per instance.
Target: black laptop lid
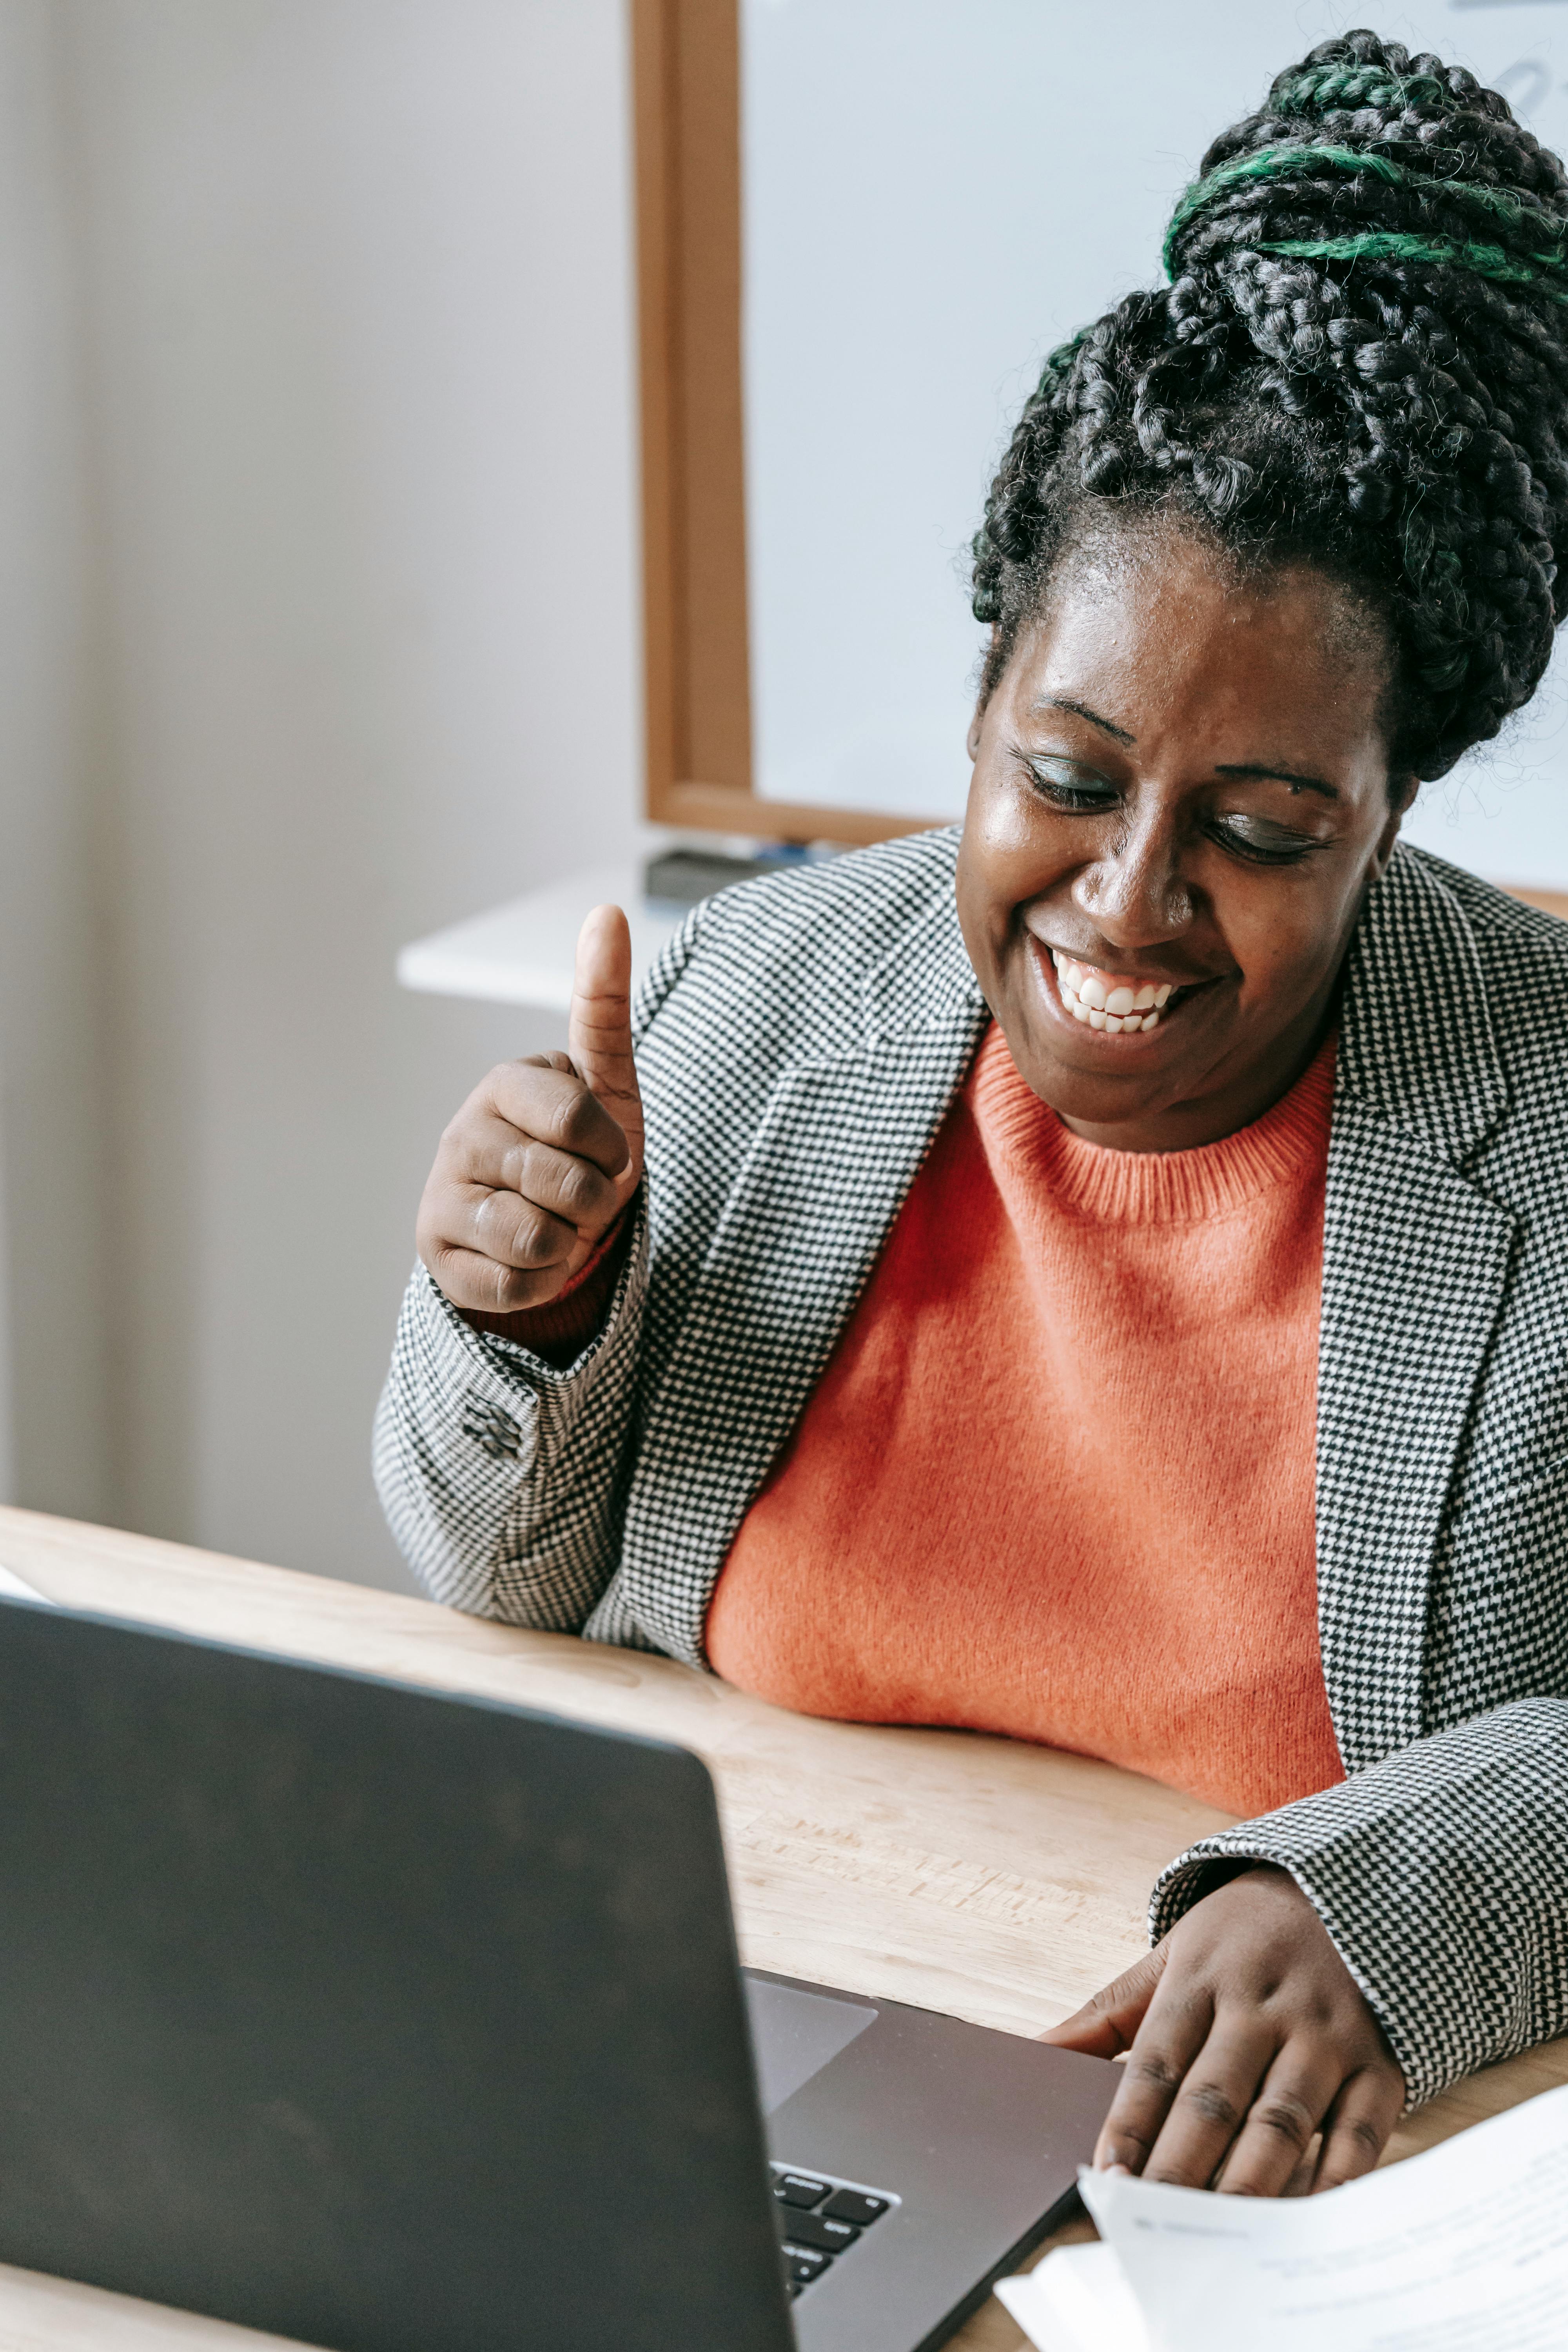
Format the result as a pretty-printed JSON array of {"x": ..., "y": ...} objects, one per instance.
[{"x": 392, "y": 2021}]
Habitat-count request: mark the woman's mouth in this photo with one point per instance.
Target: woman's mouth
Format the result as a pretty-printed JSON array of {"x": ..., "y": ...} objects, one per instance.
[{"x": 1116, "y": 1002}]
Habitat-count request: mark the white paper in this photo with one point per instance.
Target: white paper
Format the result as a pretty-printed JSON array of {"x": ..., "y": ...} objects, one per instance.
[
  {"x": 1464, "y": 2249},
  {"x": 14, "y": 1586},
  {"x": 1077, "y": 2300}
]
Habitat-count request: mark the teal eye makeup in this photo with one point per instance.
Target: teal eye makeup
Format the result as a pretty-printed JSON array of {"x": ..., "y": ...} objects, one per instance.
[
  {"x": 1068, "y": 785},
  {"x": 1258, "y": 841}
]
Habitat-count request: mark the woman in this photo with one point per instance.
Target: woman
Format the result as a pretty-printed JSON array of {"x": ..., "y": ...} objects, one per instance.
[{"x": 1101, "y": 1278}]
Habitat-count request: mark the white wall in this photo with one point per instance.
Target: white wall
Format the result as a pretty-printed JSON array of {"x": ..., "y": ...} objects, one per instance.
[
  {"x": 355, "y": 331},
  {"x": 924, "y": 220},
  {"x": 54, "y": 1131}
]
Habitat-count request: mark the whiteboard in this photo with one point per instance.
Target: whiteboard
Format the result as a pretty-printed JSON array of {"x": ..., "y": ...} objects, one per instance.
[{"x": 935, "y": 194}]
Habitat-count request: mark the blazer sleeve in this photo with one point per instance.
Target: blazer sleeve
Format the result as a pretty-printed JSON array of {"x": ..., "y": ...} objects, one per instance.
[
  {"x": 502, "y": 1475},
  {"x": 1442, "y": 1876}
]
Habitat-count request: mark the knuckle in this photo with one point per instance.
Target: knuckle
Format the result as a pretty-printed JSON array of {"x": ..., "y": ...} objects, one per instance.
[
  {"x": 498, "y": 1085},
  {"x": 579, "y": 1186},
  {"x": 1213, "y": 2102},
  {"x": 507, "y": 1291},
  {"x": 447, "y": 1274},
  {"x": 573, "y": 1116},
  {"x": 508, "y": 1231},
  {"x": 516, "y": 1163},
  {"x": 1286, "y": 2118},
  {"x": 513, "y": 1092},
  {"x": 532, "y": 1169},
  {"x": 1154, "y": 2070},
  {"x": 488, "y": 1219},
  {"x": 533, "y": 1243}
]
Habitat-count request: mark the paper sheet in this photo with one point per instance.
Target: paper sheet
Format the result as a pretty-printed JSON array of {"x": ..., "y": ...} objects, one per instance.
[
  {"x": 1463, "y": 2249},
  {"x": 1077, "y": 2300},
  {"x": 16, "y": 1590}
]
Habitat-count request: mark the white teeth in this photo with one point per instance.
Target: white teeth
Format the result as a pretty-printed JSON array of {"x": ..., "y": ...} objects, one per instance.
[{"x": 1117, "y": 1009}]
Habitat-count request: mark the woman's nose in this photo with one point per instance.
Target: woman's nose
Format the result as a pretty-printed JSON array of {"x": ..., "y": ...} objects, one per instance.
[{"x": 1134, "y": 892}]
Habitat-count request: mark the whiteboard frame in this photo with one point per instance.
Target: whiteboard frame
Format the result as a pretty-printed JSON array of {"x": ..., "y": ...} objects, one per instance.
[{"x": 686, "y": 81}]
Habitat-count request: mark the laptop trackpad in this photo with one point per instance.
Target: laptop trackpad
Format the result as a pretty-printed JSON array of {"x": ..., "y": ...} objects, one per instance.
[{"x": 795, "y": 2033}]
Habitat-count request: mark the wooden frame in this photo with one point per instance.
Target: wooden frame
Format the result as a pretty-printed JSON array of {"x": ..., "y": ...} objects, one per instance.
[{"x": 686, "y": 88}]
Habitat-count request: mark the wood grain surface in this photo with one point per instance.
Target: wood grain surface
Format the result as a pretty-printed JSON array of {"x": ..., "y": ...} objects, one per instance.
[{"x": 990, "y": 1880}]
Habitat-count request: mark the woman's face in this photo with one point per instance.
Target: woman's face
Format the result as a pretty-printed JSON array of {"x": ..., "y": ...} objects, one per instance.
[{"x": 1179, "y": 799}]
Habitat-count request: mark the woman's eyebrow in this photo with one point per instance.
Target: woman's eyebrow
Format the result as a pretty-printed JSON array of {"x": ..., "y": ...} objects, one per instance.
[
  {"x": 1082, "y": 710},
  {"x": 1283, "y": 776}
]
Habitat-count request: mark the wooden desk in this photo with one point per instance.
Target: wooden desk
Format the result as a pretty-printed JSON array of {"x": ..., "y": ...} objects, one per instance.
[{"x": 993, "y": 1881}]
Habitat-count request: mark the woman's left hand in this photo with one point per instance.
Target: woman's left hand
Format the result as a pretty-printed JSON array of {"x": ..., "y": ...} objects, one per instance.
[{"x": 1247, "y": 2036}]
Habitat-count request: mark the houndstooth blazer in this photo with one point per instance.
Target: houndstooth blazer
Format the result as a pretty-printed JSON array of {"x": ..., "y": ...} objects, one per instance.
[{"x": 799, "y": 1044}]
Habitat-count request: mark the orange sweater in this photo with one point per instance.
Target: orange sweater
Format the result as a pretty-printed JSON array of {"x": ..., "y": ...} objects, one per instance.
[{"x": 1058, "y": 1479}]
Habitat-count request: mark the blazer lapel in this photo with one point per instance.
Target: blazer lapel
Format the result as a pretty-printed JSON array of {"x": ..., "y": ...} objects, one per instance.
[
  {"x": 1415, "y": 1265},
  {"x": 833, "y": 1159}
]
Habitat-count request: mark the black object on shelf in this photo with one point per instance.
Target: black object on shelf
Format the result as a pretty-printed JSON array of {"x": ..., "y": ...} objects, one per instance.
[{"x": 682, "y": 876}]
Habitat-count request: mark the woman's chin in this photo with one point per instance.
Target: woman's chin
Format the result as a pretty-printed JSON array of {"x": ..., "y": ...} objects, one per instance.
[{"x": 1090, "y": 1098}]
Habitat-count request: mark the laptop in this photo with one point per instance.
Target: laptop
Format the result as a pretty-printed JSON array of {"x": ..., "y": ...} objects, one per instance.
[{"x": 398, "y": 2022}]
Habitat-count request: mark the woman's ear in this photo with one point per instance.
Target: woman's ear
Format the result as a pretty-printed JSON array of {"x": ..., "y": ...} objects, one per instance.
[{"x": 971, "y": 741}]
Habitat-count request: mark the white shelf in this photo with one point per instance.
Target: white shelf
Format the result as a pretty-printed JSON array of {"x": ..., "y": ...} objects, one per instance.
[{"x": 522, "y": 953}]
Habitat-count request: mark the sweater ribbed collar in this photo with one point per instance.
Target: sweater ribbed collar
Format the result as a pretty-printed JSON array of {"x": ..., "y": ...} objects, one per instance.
[{"x": 1290, "y": 1142}]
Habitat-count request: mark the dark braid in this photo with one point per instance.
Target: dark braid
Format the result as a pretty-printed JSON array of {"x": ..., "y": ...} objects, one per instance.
[{"x": 1362, "y": 362}]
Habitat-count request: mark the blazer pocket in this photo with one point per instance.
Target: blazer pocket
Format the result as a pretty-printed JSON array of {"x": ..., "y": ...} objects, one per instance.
[
  {"x": 1498, "y": 1625},
  {"x": 1539, "y": 1503}
]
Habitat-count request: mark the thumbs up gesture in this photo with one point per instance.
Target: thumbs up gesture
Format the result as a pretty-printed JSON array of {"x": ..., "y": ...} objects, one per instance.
[{"x": 546, "y": 1152}]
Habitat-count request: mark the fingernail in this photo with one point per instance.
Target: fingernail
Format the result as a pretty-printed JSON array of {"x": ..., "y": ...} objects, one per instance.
[{"x": 1124, "y": 2169}]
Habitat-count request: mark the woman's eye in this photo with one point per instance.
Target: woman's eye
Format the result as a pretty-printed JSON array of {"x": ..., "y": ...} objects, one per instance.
[
  {"x": 1068, "y": 786},
  {"x": 1260, "y": 841}
]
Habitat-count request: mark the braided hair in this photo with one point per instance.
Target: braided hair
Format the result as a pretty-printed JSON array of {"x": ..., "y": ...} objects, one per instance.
[{"x": 1360, "y": 363}]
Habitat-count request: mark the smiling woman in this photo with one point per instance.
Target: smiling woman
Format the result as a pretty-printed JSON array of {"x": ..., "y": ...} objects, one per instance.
[
  {"x": 1181, "y": 793},
  {"x": 1100, "y": 1279}
]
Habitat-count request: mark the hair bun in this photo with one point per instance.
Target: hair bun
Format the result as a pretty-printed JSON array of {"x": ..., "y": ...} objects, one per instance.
[
  {"x": 1365, "y": 154},
  {"x": 1362, "y": 360}
]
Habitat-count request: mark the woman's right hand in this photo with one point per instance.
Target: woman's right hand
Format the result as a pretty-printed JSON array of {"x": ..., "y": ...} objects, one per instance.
[{"x": 546, "y": 1152}]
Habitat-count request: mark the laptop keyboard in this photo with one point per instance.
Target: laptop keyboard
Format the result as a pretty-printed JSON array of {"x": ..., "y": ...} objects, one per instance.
[{"x": 819, "y": 2220}]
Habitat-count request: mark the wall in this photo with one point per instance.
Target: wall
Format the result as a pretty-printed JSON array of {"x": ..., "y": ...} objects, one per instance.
[
  {"x": 54, "y": 1402},
  {"x": 975, "y": 193},
  {"x": 355, "y": 338}
]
